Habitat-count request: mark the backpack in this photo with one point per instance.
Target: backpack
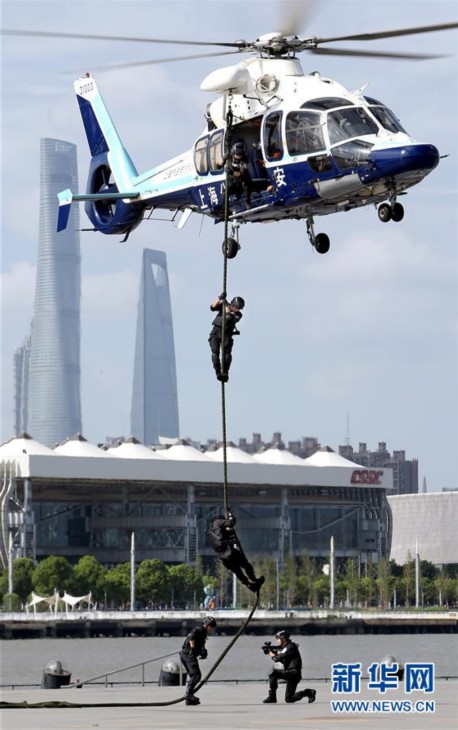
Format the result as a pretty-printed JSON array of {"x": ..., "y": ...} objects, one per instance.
[{"x": 216, "y": 533}]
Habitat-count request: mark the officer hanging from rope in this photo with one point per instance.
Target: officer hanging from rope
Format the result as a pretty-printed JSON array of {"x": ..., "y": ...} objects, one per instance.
[
  {"x": 224, "y": 540},
  {"x": 222, "y": 351}
]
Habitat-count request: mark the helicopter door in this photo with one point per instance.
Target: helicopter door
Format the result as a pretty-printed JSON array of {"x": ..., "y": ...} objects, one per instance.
[{"x": 273, "y": 144}]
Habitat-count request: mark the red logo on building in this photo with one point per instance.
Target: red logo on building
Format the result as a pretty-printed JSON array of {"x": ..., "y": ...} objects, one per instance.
[{"x": 366, "y": 476}]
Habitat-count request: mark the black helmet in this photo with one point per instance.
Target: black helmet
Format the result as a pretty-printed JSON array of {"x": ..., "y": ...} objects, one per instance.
[
  {"x": 209, "y": 621},
  {"x": 283, "y": 635},
  {"x": 238, "y": 148},
  {"x": 238, "y": 302}
]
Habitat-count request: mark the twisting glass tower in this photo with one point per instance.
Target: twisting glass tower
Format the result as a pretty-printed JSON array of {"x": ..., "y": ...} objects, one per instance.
[
  {"x": 154, "y": 396},
  {"x": 54, "y": 407}
]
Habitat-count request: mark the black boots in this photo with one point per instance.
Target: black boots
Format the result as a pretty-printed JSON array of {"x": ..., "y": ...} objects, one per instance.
[
  {"x": 192, "y": 700},
  {"x": 270, "y": 699},
  {"x": 256, "y": 585},
  {"x": 310, "y": 693}
]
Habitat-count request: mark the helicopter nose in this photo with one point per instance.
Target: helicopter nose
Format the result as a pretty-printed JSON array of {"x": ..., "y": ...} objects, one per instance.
[{"x": 413, "y": 158}]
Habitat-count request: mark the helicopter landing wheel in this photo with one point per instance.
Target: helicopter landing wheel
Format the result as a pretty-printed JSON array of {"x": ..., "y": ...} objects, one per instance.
[
  {"x": 322, "y": 243},
  {"x": 397, "y": 212},
  {"x": 385, "y": 212},
  {"x": 230, "y": 248}
]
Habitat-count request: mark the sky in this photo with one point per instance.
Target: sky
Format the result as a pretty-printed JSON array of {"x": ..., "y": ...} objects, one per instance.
[{"x": 359, "y": 344}]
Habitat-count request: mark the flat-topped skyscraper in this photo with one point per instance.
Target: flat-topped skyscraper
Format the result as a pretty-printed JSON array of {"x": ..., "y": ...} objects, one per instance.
[
  {"x": 54, "y": 406},
  {"x": 154, "y": 396}
]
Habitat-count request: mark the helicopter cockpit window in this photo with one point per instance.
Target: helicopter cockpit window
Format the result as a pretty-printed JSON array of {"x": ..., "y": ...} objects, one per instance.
[
  {"x": 331, "y": 102},
  {"x": 351, "y": 154},
  {"x": 272, "y": 136},
  {"x": 387, "y": 119},
  {"x": 200, "y": 156},
  {"x": 347, "y": 123},
  {"x": 216, "y": 151},
  {"x": 304, "y": 133}
]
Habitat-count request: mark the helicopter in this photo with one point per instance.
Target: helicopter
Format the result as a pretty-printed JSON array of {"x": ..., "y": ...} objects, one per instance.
[{"x": 313, "y": 147}]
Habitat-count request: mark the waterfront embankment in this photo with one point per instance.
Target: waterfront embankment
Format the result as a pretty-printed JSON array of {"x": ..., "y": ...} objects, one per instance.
[{"x": 87, "y": 624}]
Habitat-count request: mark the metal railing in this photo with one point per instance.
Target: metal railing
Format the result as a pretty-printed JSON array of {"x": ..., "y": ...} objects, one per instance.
[{"x": 105, "y": 675}]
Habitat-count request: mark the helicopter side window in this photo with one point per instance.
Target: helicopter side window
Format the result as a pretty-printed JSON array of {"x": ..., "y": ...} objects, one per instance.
[
  {"x": 304, "y": 133},
  {"x": 272, "y": 136},
  {"x": 215, "y": 151},
  {"x": 347, "y": 123},
  {"x": 387, "y": 119},
  {"x": 200, "y": 156}
]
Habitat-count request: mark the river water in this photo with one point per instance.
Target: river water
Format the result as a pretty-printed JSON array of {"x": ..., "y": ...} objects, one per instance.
[{"x": 22, "y": 661}]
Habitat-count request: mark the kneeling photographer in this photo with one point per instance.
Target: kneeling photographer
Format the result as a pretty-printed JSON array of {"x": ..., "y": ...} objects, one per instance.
[{"x": 286, "y": 653}]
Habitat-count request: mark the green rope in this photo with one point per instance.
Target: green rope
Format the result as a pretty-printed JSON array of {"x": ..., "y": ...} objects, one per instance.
[{"x": 229, "y": 120}]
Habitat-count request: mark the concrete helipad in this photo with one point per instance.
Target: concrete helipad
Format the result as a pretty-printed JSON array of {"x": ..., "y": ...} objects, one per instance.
[{"x": 229, "y": 706}]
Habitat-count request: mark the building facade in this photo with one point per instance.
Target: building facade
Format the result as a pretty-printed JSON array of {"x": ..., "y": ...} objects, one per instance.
[
  {"x": 93, "y": 502},
  {"x": 154, "y": 395},
  {"x": 53, "y": 398},
  {"x": 405, "y": 471},
  {"x": 425, "y": 524}
]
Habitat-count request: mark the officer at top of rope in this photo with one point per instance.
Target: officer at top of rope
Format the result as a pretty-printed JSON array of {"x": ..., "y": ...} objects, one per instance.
[
  {"x": 233, "y": 316},
  {"x": 224, "y": 540},
  {"x": 192, "y": 650},
  {"x": 286, "y": 653},
  {"x": 238, "y": 177}
]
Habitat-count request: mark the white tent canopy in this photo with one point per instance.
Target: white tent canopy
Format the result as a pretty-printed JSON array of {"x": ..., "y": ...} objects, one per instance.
[{"x": 328, "y": 457}]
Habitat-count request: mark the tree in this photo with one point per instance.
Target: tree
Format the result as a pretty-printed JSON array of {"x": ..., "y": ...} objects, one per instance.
[
  {"x": 352, "y": 580},
  {"x": 89, "y": 576},
  {"x": 53, "y": 573},
  {"x": 186, "y": 585},
  {"x": 22, "y": 577},
  {"x": 11, "y": 602},
  {"x": 117, "y": 583},
  {"x": 307, "y": 576},
  {"x": 289, "y": 581},
  {"x": 408, "y": 573},
  {"x": 153, "y": 582},
  {"x": 385, "y": 583}
]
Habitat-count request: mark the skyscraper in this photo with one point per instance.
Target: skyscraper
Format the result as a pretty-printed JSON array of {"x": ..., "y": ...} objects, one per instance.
[
  {"x": 154, "y": 395},
  {"x": 54, "y": 407},
  {"x": 21, "y": 360}
]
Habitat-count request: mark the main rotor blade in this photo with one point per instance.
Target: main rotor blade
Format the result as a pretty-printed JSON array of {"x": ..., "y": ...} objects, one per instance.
[
  {"x": 132, "y": 64},
  {"x": 373, "y": 54},
  {"x": 388, "y": 33},
  {"x": 295, "y": 15},
  {"x": 94, "y": 37}
]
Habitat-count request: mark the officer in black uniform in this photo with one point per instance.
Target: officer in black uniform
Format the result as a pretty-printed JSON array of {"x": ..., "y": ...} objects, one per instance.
[
  {"x": 238, "y": 177},
  {"x": 287, "y": 653},
  {"x": 192, "y": 650},
  {"x": 224, "y": 540},
  {"x": 233, "y": 316}
]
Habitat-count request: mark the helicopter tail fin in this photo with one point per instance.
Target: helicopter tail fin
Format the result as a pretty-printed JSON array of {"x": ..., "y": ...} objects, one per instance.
[
  {"x": 103, "y": 139},
  {"x": 111, "y": 192}
]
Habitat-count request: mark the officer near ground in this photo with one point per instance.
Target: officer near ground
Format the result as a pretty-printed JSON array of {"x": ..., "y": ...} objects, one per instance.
[
  {"x": 286, "y": 653},
  {"x": 192, "y": 650},
  {"x": 233, "y": 315},
  {"x": 224, "y": 540}
]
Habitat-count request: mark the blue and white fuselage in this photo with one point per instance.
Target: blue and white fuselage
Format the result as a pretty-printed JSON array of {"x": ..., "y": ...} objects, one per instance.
[{"x": 314, "y": 148}]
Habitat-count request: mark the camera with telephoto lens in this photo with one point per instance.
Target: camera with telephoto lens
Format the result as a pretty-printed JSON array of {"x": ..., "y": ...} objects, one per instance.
[{"x": 267, "y": 647}]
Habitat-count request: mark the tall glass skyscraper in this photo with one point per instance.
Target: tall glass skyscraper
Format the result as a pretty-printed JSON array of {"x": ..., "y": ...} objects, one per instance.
[
  {"x": 154, "y": 396},
  {"x": 54, "y": 406},
  {"x": 21, "y": 360}
]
